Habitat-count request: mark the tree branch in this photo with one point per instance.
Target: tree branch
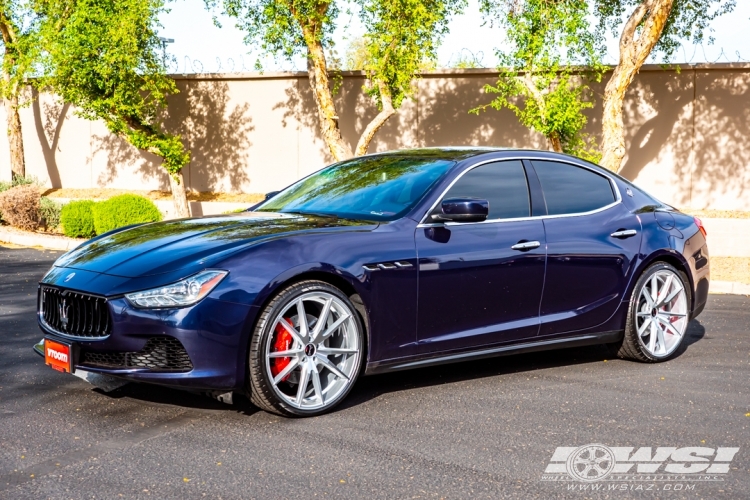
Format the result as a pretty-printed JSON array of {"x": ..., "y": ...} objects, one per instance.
[{"x": 378, "y": 121}]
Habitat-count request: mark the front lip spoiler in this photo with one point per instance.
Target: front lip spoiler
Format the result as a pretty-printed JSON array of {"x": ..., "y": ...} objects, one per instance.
[{"x": 39, "y": 348}]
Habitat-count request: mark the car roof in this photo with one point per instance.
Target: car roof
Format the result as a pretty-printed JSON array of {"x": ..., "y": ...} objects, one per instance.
[
  {"x": 443, "y": 153},
  {"x": 461, "y": 153}
]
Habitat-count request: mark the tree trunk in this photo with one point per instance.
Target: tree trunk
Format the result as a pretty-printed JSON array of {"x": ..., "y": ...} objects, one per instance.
[
  {"x": 555, "y": 144},
  {"x": 179, "y": 195},
  {"x": 317, "y": 71},
  {"x": 633, "y": 53},
  {"x": 15, "y": 138},
  {"x": 377, "y": 122}
]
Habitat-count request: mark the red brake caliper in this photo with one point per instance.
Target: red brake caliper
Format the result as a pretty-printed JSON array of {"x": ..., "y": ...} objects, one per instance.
[{"x": 282, "y": 342}]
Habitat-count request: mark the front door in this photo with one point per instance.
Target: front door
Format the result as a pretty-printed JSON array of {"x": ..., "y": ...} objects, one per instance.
[{"x": 481, "y": 283}]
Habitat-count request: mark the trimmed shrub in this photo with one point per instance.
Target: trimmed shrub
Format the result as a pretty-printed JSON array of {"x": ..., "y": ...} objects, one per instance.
[
  {"x": 77, "y": 218},
  {"x": 20, "y": 206},
  {"x": 49, "y": 213},
  {"x": 124, "y": 210},
  {"x": 17, "y": 181}
]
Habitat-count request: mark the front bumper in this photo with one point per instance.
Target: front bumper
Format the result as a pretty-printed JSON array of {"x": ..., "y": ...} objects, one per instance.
[{"x": 214, "y": 335}]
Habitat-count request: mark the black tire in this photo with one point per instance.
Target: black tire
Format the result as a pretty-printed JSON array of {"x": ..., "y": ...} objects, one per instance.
[
  {"x": 630, "y": 347},
  {"x": 261, "y": 388}
]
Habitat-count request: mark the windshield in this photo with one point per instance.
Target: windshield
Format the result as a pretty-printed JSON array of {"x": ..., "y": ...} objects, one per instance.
[{"x": 378, "y": 188}]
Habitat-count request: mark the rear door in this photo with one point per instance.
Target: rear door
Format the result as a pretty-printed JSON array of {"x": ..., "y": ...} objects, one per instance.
[{"x": 592, "y": 246}]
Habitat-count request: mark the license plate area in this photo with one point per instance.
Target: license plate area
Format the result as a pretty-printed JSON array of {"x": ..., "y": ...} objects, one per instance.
[{"x": 58, "y": 355}]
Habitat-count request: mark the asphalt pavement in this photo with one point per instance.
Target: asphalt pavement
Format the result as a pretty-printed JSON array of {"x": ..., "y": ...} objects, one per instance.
[{"x": 485, "y": 429}]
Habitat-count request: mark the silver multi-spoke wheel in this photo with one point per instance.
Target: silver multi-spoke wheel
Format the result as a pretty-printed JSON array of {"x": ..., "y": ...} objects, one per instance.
[
  {"x": 658, "y": 316},
  {"x": 311, "y": 350},
  {"x": 661, "y": 318}
]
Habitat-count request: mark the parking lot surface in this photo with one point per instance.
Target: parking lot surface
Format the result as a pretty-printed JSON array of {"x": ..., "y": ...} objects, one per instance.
[{"x": 485, "y": 429}]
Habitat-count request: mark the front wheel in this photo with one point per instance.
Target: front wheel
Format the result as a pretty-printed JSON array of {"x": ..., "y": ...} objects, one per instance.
[
  {"x": 657, "y": 316},
  {"x": 306, "y": 350}
]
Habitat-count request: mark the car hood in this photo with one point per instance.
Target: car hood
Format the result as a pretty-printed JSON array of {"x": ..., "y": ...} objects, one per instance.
[{"x": 169, "y": 246}]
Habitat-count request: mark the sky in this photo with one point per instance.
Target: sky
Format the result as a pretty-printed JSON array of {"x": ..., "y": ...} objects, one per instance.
[{"x": 201, "y": 47}]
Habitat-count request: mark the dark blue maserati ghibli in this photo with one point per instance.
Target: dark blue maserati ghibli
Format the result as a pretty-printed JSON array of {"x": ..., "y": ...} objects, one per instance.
[{"x": 380, "y": 263}]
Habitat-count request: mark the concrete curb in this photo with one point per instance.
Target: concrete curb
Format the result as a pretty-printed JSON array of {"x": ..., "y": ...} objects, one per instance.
[
  {"x": 728, "y": 237},
  {"x": 730, "y": 287},
  {"x": 49, "y": 241}
]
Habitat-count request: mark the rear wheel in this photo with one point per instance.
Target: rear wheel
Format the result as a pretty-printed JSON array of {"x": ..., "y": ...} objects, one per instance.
[
  {"x": 306, "y": 350},
  {"x": 657, "y": 316}
]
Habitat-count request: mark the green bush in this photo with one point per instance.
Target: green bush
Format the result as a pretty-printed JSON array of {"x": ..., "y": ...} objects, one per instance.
[
  {"x": 18, "y": 181},
  {"x": 77, "y": 218},
  {"x": 49, "y": 213},
  {"x": 124, "y": 210}
]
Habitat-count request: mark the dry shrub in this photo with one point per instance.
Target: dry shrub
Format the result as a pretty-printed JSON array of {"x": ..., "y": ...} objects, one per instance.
[{"x": 20, "y": 206}]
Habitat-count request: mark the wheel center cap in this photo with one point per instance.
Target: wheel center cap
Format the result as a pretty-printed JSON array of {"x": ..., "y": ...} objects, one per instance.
[
  {"x": 654, "y": 312},
  {"x": 309, "y": 349}
]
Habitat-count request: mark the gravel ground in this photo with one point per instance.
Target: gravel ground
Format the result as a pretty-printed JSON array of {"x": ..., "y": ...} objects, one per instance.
[{"x": 482, "y": 430}]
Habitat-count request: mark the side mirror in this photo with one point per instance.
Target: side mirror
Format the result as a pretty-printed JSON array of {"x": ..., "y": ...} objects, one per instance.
[
  {"x": 463, "y": 210},
  {"x": 268, "y": 197}
]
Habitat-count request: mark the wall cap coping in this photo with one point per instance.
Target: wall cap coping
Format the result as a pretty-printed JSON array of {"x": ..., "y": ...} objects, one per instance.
[{"x": 285, "y": 75}]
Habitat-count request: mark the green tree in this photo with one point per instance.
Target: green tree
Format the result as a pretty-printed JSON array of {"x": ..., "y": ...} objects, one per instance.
[
  {"x": 102, "y": 56},
  {"x": 19, "y": 43},
  {"x": 649, "y": 25},
  {"x": 356, "y": 57},
  {"x": 552, "y": 54},
  {"x": 400, "y": 36}
]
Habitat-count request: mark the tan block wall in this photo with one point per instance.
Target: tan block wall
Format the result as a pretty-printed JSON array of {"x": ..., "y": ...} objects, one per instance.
[{"x": 685, "y": 131}]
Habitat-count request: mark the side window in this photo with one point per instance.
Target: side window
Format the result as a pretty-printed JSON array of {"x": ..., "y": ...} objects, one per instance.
[
  {"x": 570, "y": 190},
  {"x": 502, "y": 184}
]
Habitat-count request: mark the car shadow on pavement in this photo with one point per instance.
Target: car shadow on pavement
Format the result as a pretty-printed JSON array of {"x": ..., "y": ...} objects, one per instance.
[
  {"x": 149, "y": 393},
  {"x": 368, "y": 388},
  {"x": 695, "y": 332}
]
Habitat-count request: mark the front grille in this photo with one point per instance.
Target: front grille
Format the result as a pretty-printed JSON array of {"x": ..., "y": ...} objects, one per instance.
[
  {"x": 75, "y": 314},
  {"x": 159, "y": 354}
]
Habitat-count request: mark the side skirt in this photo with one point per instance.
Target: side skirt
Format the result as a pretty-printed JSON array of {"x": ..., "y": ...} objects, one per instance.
[{"x": 394, "y": 365}]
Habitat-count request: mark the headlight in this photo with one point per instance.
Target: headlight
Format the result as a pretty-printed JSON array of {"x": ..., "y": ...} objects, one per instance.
[{"x": 182, "y": 293}]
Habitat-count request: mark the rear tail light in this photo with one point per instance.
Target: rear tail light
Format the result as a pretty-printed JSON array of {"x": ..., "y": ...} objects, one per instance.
[{"x": 699, "y": 223}]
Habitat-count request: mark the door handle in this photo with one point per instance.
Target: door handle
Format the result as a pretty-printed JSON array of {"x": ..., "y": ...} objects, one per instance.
[
  {"x": 624, "y": 233},
  {"x": 526, "y": 245}
]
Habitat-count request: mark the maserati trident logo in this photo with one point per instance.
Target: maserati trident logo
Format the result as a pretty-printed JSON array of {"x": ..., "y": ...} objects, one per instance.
[
  {"x": 63, "y": 308},
  {"x": 69, "y": 277}
]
